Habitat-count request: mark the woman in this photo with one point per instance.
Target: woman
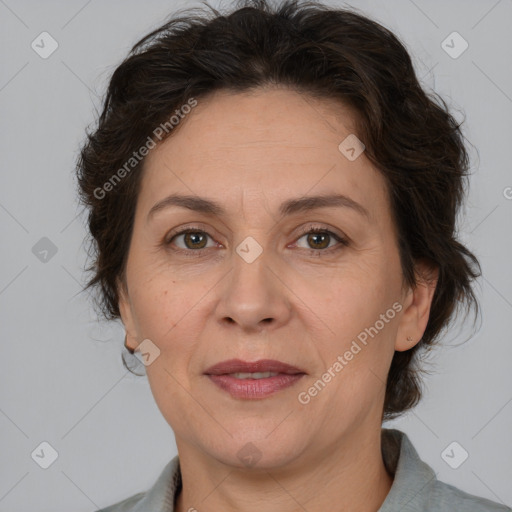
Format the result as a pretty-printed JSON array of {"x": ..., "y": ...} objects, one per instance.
[{"x": 272, "y": 199}]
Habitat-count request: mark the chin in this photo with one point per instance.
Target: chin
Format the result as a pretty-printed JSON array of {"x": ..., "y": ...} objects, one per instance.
[{"x": 262, "y": 451}]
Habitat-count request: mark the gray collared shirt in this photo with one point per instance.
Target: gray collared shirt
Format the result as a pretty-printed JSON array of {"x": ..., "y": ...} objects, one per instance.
[{"x": 415, "y": 486}]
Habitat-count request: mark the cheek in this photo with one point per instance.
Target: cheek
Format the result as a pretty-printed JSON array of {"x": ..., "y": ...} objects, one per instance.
[
  {"x": 165, "y": 315},
  {"x": 359, "y": 324},
  {"x": 355, "y": 361},
  {"x": 155, "y": 311},
  {"x": 170, "y": 312},
  {"x": 159, "y": 300},
  {"x": 353, "y": 300}
]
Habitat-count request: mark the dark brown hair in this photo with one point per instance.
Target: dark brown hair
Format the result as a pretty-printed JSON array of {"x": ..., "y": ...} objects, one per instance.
[{"x": 340, "y": 54}]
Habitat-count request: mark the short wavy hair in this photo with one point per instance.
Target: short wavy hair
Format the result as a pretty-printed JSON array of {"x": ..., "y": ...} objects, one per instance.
[{"x": 340, "y": 54}]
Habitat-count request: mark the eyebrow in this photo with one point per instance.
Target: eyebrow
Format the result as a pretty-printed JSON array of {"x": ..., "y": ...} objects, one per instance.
[{"x": 289, "y": 207}]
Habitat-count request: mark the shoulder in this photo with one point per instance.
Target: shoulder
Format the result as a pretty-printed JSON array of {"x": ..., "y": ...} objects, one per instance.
[
  {"x": 126, "y": 505},
  {"x": 160, "y": 496},
  {"x": 443, "y": 496},
  {"x": 415, "y": 486}
]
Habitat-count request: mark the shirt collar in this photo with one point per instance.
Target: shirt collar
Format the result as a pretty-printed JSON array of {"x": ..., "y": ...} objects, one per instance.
[{"x": 412, "y": 478}]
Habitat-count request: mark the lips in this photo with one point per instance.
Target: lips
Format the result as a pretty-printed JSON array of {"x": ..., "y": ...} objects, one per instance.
[
  {"x": 256, "y": 380},
  {"x": 263, "y": 365}
]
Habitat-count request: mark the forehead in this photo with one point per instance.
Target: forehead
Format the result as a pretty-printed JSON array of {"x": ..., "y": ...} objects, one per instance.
[
  {"x": 279, "y": 120},
  {"x": 275, "y": 142}
]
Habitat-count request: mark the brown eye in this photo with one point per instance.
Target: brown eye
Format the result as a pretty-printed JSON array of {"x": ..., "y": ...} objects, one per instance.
[
  {"x": 193, "y": 239},
  {"x": 319, "y": 239}
]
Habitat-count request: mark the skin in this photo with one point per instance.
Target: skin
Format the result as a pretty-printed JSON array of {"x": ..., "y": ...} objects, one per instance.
[{"x": 294, "y": 303}]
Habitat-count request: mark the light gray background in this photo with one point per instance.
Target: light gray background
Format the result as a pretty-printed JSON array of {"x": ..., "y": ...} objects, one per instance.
[{"x": 62, "y": 379}]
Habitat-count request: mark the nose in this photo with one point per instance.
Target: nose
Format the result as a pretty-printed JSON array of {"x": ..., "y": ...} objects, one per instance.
[{"x": 253, "y": 295}]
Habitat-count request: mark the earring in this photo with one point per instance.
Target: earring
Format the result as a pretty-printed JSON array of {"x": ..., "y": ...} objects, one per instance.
[
  {"x": 409, "y": 338},
  {"x": 126, "y": 346}
]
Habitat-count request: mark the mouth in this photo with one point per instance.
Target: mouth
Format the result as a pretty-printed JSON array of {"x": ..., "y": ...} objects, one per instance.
[{"x": 253, "y": 380}]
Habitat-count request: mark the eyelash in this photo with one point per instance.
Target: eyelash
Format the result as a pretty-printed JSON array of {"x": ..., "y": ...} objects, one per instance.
[{"x": 342, "y": 242}]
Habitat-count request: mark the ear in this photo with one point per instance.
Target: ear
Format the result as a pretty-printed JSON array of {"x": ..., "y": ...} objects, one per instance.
[
  {"x": 126, "y": 312},
  {"x": 417, "y": 303}
]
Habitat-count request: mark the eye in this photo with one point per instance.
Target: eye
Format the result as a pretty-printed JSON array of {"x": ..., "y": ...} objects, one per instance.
[
  {"x": 319, "y": 239},
  {"x": 193, "y": 239}
]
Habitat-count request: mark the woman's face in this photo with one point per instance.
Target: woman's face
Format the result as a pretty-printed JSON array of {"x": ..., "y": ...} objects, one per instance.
[{"x": 253, "y": 283}]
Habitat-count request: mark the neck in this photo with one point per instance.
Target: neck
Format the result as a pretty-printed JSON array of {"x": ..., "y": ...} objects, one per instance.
[{"x": 349, "y": 475}]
